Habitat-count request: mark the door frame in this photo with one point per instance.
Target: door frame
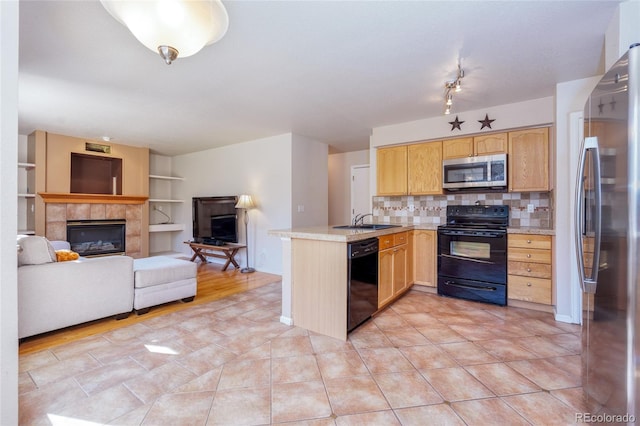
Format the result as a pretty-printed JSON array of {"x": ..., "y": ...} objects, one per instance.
[{"x": 352, "y": 189}]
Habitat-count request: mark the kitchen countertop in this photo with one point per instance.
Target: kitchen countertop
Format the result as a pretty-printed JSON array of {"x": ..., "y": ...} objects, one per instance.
[
  {"x": 329, "y": 233},
  {"x": 530, "y": 230}
]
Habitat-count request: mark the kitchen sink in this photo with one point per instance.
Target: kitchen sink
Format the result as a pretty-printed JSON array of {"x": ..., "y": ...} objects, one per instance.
[{"x": 366, "y": 226}]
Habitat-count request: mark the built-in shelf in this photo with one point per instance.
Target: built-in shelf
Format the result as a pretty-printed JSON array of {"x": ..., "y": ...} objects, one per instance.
[
  {"x": 27, "y": 165},
  {"x": 27, "y": 195},
  {"x": 165, "y": 177},
  {"x": 26, "y": 232},
  {"x": 166, "y": 227}
]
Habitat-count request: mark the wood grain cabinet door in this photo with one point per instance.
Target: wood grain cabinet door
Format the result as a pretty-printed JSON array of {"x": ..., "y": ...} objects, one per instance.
[
  {"x": 392, "y": 170},
  {"x": 495, "y": 143},
  {"x": 385, "y": 277},
  {"x": 424, "y": 260},
  {"x": 529, "y": 160},
  {"x": 425, "y": 168},
  {"x": 400, "y": 281},
  {"x": 456, "y": 148}
]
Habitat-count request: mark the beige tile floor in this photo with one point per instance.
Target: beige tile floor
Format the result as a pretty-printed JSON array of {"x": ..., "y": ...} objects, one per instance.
[{"x": 425, "y": 360}]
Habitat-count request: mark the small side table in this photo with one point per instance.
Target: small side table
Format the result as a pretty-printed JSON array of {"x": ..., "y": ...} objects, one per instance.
[{"x": 227, "y": 252}]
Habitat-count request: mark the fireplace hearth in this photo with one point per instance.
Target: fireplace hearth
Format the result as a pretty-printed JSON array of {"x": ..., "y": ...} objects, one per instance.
[{"x": 97, "y": 237}]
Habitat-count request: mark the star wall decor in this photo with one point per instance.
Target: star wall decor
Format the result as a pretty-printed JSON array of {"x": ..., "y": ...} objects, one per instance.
[
  {"x": 455, "y": 124},
  {"x": 486, "y": 122}
]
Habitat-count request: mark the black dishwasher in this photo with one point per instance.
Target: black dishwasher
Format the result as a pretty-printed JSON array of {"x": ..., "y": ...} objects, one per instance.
[{"x": 363, "y": 281}]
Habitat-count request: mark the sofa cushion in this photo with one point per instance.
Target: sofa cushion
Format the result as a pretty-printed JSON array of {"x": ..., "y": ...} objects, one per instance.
[{"x": 35, "y": 250}]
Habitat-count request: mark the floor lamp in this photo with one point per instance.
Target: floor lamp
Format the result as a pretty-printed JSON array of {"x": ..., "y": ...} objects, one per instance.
[{"x": 245, "y": 202}]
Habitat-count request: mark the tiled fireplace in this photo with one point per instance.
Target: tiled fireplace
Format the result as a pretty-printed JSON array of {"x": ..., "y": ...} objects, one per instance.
[
  {"x": 57, "y": 215},
  {"x": 97, "y": 237}
]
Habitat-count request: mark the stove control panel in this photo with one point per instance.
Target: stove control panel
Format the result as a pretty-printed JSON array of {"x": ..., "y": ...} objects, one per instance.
[{"x": 478, "y": 215}]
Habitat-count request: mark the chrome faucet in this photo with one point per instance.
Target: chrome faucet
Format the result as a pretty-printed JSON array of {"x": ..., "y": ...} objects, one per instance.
[{"x": 359, "y": 218}]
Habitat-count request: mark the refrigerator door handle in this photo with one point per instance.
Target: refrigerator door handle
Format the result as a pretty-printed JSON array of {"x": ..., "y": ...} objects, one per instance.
[{"x": 588, "y": 284}]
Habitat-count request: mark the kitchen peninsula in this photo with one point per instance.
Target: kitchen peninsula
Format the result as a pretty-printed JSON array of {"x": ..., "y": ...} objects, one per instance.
[
  {"x": 315, "y": 270},
  {"x": 315, "y": 283}
]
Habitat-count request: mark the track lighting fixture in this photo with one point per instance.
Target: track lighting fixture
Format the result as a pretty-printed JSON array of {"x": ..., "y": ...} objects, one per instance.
[{"x": 450, "y": 87}]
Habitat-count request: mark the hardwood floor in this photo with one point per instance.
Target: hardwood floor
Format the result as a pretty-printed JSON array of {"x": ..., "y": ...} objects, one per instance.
[{"x": 213, "y": 284}]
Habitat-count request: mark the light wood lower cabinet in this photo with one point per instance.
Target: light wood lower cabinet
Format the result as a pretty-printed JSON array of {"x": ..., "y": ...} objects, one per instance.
[
  {"x": 529, "y": 268},
  {"x": 392, "y": 267},
  {"x": 423, "y": 261}
]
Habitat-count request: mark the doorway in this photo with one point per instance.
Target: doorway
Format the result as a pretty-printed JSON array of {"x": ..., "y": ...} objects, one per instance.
[{"x": 360, "y": 197}]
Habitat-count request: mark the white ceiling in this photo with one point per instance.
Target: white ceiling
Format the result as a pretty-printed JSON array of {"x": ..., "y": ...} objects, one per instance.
[{"x": 328, "y": 70}]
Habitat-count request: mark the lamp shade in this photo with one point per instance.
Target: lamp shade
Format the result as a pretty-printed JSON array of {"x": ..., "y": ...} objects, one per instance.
[
  {"x": 184, "y": 25},
  {"x": 245, "y": 202}
]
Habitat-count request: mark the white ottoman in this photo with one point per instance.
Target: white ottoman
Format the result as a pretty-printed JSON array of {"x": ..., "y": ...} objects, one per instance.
[{"x": 162, "y": 279}]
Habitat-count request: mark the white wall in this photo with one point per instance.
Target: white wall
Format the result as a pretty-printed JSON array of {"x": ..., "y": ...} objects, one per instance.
[
  {"x": 570, "y": 98},
  {"x": 310, "y": 182},
  {"x": 261, "y": 168},
  {"x": 340, "y": 184},
  {"x": 8, "y": 209},
  {"x": 623, "y": 31}
]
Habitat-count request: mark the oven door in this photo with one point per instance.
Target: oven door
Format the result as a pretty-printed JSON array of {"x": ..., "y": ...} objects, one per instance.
[{"x": 478, "y": 255}]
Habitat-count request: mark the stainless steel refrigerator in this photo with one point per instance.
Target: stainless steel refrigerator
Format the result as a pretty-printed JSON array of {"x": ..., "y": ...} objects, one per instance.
[{"x": 607, "y": 225}]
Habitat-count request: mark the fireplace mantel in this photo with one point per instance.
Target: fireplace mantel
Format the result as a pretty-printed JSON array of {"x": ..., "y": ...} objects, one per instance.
[{"x": 59, "y": 197}]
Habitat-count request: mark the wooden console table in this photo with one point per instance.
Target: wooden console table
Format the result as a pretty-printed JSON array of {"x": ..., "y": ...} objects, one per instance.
[{"x": 228, "y": 251}]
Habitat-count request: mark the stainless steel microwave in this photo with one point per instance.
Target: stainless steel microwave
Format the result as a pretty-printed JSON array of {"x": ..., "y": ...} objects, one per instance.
[{"x": 488, "y": 171}]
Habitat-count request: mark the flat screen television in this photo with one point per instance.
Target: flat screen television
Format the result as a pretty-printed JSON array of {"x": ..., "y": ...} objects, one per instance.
[{"x": 215, "y": 219}]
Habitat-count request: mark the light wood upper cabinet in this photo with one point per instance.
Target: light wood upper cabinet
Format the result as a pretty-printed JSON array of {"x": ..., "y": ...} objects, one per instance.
[
  {"x": 529, "y": 160},
  {"x": 494, "y": 143},
  {"x": 456, "y": 148},
  {"x": 423, "y": 261},
  {"x": 425, "y": 168},
  {"x": 392, "y": 170}
]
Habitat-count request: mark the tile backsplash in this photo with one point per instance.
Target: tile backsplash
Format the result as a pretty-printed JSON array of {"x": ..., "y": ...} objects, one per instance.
[{"x": 432, "y": 209}]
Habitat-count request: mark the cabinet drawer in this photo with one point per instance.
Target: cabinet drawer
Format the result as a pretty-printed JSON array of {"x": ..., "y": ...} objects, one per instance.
[
  {"x": 392, "y": 240},
  {"x": 529, "y": 269},
  {"x": 527, "y": 289},
  {"x": 385, "y": 242},
  {"x": 530, "y": 241},
  {"x": 516, "y": 254},
  {"x": 400, "y": 238}
]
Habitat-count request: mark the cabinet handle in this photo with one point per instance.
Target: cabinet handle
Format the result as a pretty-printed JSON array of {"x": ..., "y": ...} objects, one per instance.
[
  {"x": 528, "y": 241},
  {"x": 529, "y": 255},
  {"x": 528, "y": 284},
  {"x": 386, "y": 241},
  {"x": 528, "y": 269}
]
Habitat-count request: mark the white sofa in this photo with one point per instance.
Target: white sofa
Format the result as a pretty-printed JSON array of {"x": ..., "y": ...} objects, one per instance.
[{"x": 53, "y": 295}]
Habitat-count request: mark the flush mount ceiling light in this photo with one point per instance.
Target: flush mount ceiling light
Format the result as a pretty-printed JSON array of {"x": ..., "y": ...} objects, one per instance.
[
  {"x": 173, "y": 28},
  {"x": 450, "y": 87}
]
